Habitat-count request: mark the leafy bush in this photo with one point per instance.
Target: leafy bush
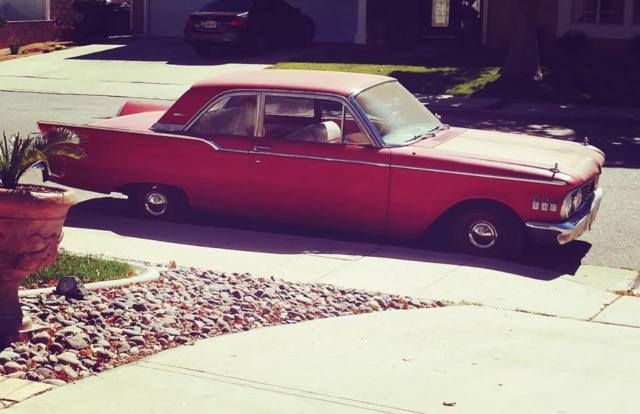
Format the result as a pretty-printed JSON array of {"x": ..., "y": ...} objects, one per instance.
[
  {"x": 14, "y": 46},
  {"x": 18, "y": 154}
]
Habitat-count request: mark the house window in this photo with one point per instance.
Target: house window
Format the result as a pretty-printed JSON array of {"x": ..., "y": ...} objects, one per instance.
[{"x": 599, "y": 11}]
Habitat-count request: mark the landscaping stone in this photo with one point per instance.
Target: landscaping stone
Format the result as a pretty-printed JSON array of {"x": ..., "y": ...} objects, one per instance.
[
  {"x": 119, "y": 325},
  {"x": 41, "y": 338}
]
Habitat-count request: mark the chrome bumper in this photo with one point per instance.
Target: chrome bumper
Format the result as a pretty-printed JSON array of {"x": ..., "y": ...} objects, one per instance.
[{"x": 563, "y": 233}]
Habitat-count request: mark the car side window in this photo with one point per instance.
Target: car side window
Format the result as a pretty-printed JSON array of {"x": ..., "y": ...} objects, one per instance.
[
  {"x": 232, "y": 115},
  {"x": 305, "y": 119}
]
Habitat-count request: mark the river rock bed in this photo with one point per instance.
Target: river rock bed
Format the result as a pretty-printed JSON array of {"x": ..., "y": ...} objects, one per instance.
[{"x": 115, "y": 326}]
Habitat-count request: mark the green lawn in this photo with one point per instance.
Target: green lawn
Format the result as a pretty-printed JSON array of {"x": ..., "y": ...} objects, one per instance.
[
  {"x": 590, "y": 77},
  {"x": 87, "y": 268},
  {"x": 423, "y": 79}
]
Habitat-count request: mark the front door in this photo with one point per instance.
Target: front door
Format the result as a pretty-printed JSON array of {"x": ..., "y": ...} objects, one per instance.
[{"x": 316, "y": 168}]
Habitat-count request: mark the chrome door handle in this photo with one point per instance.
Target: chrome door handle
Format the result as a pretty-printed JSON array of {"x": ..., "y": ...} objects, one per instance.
[{"x": 261, "y": 148}]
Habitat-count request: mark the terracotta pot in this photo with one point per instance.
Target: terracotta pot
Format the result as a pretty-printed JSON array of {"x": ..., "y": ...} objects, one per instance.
[{"x": 31, "y": 220}]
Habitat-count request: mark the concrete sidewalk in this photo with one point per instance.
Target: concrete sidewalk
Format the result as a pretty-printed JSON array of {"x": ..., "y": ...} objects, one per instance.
[
  {"x": 375, "y": 267},
  {"x": 458, "y": 359}
]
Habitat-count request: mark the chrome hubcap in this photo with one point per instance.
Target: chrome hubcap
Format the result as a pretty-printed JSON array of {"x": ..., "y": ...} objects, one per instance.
[
  {"x": 156, "y": 203},
  {"x": 483, "y": 234}
]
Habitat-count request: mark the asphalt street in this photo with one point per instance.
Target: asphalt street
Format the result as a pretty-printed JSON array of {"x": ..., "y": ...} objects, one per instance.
[{"x": 613, "y": 241}]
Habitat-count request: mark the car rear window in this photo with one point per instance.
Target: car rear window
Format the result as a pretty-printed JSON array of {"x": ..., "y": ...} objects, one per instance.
[{"x": 233, "y": 6}]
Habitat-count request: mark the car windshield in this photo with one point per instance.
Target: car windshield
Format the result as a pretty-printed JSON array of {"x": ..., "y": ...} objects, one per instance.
[
  {"x": 397, "y": 115},
  {"x": 227, "y": 6}
]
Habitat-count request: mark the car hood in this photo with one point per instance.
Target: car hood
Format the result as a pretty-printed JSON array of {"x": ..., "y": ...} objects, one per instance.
[{"x": 576, "y": 160}]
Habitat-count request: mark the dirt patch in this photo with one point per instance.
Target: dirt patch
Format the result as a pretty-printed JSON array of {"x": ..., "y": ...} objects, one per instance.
[{"x": 34, "y": 49}]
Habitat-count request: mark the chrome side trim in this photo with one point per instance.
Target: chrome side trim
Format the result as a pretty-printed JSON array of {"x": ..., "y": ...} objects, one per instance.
[
  {"x": 158, "y": 127},
  {"x": 491, "y": 176},
  {"x": 311, "y": 157}
]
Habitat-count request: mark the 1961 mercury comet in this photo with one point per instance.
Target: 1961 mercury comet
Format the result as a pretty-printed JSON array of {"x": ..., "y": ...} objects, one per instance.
[{"x": 345, "y": 151}]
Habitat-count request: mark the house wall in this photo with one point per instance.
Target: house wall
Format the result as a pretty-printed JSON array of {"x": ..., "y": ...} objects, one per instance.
[
  {"x": 27, "y": 32},
  {"x": 604, "y": 34},
  {"x": 335, "y": 20},
  {"x": 554, "y": 20}
]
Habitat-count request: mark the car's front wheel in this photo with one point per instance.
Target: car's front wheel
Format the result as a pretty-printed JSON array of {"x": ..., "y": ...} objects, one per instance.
[
  {"x": 158, "y": 202},
  {"x": 488, "y": 230}
]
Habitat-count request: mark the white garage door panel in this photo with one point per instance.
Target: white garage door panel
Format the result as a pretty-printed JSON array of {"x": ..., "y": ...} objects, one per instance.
[{"x": 167, "y": 17}]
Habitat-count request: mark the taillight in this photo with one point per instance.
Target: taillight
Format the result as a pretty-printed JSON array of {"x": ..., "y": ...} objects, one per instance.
[
  {"x": 238, "y": 21},
  {"x": 189, "y": 23}
]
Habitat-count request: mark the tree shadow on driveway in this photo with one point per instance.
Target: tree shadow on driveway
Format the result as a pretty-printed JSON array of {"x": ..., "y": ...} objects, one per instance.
[
  {"x": 109, "y": 214},
  {"x": 174, "y": 51}
]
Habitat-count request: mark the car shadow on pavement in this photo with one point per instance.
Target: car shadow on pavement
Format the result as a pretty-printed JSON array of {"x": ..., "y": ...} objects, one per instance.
[{"x": 109, "y": 214}]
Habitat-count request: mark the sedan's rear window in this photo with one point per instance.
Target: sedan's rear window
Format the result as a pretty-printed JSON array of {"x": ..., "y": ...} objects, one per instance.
[{"x": 227, "y": 6}]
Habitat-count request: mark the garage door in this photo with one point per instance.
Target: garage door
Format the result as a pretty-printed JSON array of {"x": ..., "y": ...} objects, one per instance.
[
  {"x": 167, "y": 17},
  {"x": 336, "y": 20}
]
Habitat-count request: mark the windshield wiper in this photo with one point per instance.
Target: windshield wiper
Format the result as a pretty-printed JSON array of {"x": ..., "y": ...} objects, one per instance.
[{"x": 420, "y": 137}]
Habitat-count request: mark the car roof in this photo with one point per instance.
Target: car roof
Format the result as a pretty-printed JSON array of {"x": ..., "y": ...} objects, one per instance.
[{"x": 337, "y": 83}]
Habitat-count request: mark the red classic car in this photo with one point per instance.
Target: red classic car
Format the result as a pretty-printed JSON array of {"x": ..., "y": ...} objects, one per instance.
[{"x": 344, "y": 151}]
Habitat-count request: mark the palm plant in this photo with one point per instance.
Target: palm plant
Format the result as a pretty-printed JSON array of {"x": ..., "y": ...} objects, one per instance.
[{"x": 19, "y": 154}]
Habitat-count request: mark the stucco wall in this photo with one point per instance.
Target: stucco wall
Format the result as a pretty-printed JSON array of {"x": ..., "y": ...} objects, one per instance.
[{"x": 336, "y": 20}]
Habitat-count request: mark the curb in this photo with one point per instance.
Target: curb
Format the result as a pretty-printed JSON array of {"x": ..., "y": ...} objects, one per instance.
[{"x": 145, "y": 274}]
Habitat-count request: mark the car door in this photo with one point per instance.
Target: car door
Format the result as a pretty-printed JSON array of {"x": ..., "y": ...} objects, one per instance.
[
  {"x": 221, "y": 178},
  {"x": 315, "y": 167}
]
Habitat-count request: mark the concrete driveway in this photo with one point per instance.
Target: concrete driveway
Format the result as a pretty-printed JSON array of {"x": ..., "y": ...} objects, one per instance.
[
  {"x": 153, "y": 68},
  {"x": 461, "y": 359}
]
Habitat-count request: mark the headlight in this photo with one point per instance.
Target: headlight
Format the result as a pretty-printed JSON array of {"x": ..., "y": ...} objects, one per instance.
[
  {"x": 577, "y": 199},
  {"x": 567, "y": 206}
]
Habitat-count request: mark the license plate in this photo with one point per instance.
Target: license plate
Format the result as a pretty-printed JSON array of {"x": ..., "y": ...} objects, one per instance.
[{"x": 210, "y": 24}]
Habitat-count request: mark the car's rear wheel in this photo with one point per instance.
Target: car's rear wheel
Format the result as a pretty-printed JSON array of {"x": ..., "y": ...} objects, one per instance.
[
  {"x": 159, "y": 202},
  {"x": 486, "y": 230}
]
